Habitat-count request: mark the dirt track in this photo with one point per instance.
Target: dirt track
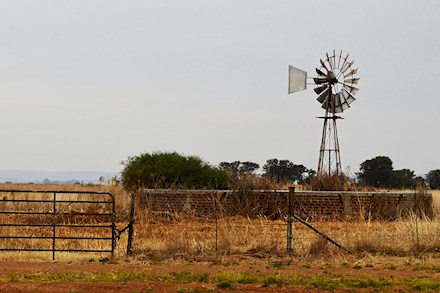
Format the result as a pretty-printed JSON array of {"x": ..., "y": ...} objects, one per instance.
[{"x": 20, "y": 276}]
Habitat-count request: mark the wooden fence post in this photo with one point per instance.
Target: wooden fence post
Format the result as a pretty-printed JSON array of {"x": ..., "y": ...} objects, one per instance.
[
  {"x": 131, "y": 223},
  {"x": 290, "y": 214}
]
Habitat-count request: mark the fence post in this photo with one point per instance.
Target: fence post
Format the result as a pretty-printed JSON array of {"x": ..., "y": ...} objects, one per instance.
[
  {"x": 130, "y": 223},
  {"x": 216, "y": 222},
  {"x": 417, "y": 213},
  {"x": 290, "y": 212}
]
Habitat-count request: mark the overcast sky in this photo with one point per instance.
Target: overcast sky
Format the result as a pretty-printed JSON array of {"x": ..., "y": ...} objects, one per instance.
[{"x": 85, "y": 84}]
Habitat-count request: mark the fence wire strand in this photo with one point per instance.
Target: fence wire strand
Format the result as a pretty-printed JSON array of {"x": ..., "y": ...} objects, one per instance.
[{"x": 220, "y": 230}]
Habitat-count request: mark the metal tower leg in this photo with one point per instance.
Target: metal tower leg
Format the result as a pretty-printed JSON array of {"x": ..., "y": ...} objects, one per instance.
[{"x": 329, "y": 155}]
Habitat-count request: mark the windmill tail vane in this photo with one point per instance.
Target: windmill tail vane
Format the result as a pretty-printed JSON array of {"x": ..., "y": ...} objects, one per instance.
[{"x": 335, "y": 86}]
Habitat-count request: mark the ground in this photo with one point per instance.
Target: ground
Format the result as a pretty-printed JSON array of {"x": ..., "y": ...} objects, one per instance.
[{"x": 239, "y": 274}]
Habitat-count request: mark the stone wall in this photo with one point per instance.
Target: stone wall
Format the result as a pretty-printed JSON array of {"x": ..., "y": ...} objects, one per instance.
[{"x": 274, "y": 203}]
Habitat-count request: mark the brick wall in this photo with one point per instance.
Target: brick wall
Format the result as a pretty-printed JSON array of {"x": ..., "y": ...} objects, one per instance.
[{"x": 274, "y": 203}]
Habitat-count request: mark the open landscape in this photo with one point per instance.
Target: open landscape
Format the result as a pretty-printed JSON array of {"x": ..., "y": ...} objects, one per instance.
[
  {"x": 219, "y": 146},
  {"x": 187, "y": 252}
]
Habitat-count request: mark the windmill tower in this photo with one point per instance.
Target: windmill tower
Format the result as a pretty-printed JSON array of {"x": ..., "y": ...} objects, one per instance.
[{"x": 334, "y": 85}]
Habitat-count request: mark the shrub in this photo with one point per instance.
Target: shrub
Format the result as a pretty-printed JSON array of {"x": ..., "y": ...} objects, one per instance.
[{"x": 169, "y": 170}]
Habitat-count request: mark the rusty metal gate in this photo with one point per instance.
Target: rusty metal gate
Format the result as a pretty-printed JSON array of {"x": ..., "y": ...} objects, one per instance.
[{"x": 57, "y": 221}]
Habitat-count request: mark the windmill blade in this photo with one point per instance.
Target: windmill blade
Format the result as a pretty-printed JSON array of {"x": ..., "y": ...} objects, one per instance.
[
  {"x": 334, "y": 58},
  {"x": 350, "y": 100},
  {"x": 338, "y": 100},
  {"x": 339, "y": 59},
  {"x": 345, "y": 106},
  {"x": 353, "y": 72},
  {"x": 320, "y": 73},
  {"x": 347, "y": 66},
  {"x": 319, "y": 80},
  {"x": 345, "y": 60},
  {"x": 329, "y": 61},
  {"x": 345, "y": 95},
  {"x": 339, "y": 109},
  {"x": 322, "y": 97},
  {"x": 350, "y": 89},
  {"x": 352, "y": 81},
  {"x": 323, "y": 64},
  {"x": 320, "y": 89},
  {"x": 344, "y": 64},
  {"x": 348, "y": 96},
  {"x": 326, "y": 104}
]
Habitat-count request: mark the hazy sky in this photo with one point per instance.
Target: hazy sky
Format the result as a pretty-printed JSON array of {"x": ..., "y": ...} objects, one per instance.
[{"x": 85, "y": 84}]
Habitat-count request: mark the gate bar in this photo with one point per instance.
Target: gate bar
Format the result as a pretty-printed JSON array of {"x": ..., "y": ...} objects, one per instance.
[{"x": 55, "y": 213}]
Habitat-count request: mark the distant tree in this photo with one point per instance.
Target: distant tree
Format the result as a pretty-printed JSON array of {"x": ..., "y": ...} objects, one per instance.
[
  {"x": 248, "y": 167},
  {"x": 404, "y": 178},
  {"x": 239, "y": 168},
  {"x": 170, "y": 169},
  {"x": 232, "y": 167},
  {"x": 377, "y": 172},
  {"x": 284, "y": 170},
  {"x": 433, "y": 179}
]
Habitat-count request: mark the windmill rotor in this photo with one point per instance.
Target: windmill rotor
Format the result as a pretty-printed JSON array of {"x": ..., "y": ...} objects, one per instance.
[
  {"x": 336, "y": 74},
  {"x": 335, "y": 88}
]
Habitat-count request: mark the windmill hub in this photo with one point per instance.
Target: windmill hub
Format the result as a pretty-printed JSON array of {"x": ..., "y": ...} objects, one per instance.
[
  {"x": 335, "y": 89},
  {"x": 331, "y": 77}
]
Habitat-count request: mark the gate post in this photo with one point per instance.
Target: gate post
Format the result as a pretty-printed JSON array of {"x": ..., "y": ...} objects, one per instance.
[
  {"x": 54, "y": 224},
  {"x": 131, "y": 222}
]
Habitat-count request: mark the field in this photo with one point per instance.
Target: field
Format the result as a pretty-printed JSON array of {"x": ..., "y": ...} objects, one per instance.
[{"x": 189, "y": 253}]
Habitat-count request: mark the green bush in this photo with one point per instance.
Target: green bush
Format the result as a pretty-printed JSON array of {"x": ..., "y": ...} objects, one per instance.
[{"x": 170, "y": 170}]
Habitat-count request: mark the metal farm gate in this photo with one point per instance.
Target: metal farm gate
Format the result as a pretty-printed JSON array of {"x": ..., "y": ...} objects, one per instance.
[{"x": 57, "y": 221}]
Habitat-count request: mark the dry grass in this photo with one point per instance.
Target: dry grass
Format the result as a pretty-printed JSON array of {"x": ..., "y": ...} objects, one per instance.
[{"x": 200, "y": 238}]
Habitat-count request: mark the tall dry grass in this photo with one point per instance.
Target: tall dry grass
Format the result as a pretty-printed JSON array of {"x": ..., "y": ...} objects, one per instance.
[{"x": 195, "y": 237}]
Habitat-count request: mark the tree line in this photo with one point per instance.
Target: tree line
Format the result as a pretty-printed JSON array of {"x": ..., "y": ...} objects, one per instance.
[
  {"x": 379, "y": 172},
  {"x": 171, "y": 169}
]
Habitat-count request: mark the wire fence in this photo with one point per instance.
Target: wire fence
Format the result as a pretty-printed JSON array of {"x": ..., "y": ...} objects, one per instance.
[
  {"x": 170, "y": 224},
  {"x": 203, "y": 230}
]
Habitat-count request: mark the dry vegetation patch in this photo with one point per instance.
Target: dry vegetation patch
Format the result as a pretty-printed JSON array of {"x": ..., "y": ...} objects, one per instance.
[{"x": 202, "y": 254}]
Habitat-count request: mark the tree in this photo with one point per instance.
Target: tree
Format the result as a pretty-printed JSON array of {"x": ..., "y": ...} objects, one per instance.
[
  {"x": 284, "y": 170},
  {"x": 170, "y": 169},
  {"x": 377, "y": 172},
  {"x": 248, "y": 168},
  {"x": 231, "y": 168},
  {"x": 238, "y": 168},
  {"x": 433, "y": 179},
  {"x": 404, "y": 178}
]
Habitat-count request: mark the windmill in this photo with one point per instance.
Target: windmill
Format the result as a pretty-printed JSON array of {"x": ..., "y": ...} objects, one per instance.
[{"x": 334, "y": 85}]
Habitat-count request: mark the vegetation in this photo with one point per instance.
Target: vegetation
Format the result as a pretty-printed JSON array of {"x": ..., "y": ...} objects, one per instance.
[
  {"x": 284, "y": 171},
  {"x": 409, "y": 245},
  {"x": 238, "y": 169},
  {"x": 329, "y": 183},
  {"x": 196, "y": 236},
  {"x": 168, "y": 170},
  {"x": 433, "y": 179},
  {"x": 229, "y": 280},
  {"x": 378, "y": 172}
]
